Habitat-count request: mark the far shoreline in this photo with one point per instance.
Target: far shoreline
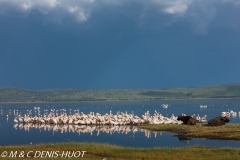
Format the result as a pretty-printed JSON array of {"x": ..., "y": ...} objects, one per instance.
[{"x": 170, "y": 99}]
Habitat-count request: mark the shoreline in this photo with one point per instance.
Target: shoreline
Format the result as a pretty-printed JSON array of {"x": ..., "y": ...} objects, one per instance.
[
  {"x": 110, "y": 151},
  {"x": 224, "y": 132},
  {"x": 130, "y": 100}
]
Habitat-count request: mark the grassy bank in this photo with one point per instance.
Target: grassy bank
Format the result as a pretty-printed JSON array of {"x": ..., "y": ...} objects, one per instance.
[
  {"x": 228, "y": 131},
  {"x": 99, "y": 151}
]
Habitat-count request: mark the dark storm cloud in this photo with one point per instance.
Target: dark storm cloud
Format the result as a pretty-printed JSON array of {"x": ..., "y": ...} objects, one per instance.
[{"x": 118, "y": 44}]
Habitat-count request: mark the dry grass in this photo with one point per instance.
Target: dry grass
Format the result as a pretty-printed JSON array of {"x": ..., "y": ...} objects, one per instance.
[{"x": 100, "y": 151}]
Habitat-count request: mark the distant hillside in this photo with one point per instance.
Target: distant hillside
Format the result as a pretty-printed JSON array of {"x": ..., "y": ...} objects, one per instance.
[{"x": 9, "y": 94}]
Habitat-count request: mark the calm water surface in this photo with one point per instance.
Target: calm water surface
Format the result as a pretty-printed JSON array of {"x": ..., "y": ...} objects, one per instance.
[{"x": 131, "y": 136}]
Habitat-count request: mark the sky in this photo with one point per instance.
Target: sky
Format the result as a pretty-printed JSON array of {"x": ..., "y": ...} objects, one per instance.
[{"x": 119, "y": 44}]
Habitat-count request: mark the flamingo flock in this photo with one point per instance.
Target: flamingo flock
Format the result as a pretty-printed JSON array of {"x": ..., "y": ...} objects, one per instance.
[
  {"x": 56, "y": 117},
  {"x": 228, "y": 114},
  {"x": 120, "y": 118},
  {"x": 92, "y": 118}
]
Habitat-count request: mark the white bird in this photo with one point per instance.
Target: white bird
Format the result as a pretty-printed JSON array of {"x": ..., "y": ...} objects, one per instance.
[
  {"x": 204, "y": 118},
  {"x": 15, "y": 120},
  {"x": 198, "y": 118}
]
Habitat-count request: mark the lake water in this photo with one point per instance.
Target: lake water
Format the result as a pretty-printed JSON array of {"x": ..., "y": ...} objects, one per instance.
[{"x": 130, "y": 136}]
